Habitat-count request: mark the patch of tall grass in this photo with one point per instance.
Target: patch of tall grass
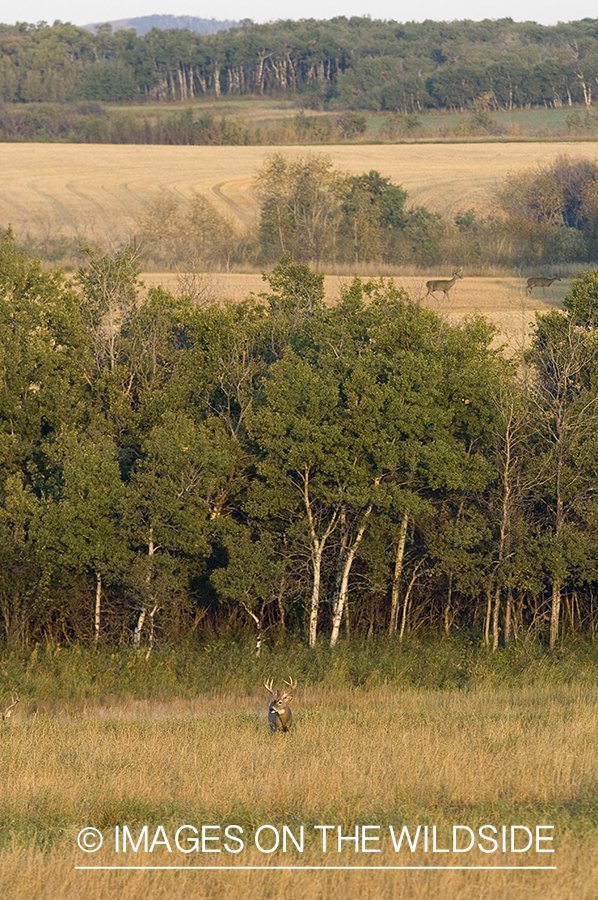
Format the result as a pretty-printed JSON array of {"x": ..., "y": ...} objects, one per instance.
[
  {"x": 431, "y": 733},
  {"x": 47, "y": 677}
]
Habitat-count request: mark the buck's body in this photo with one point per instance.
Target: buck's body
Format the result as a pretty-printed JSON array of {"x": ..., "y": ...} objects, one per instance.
[
  {"x": 443, "y": 285},
  {"x": 280, "y": 716}
]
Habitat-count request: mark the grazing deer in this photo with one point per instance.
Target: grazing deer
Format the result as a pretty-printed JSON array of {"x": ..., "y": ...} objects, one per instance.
[
  {"x": 8, "y": 711},
  {"x": 279, "y": 711},
  {"x": 443, "y": 285},
  {"x": 540, "y": 282}
]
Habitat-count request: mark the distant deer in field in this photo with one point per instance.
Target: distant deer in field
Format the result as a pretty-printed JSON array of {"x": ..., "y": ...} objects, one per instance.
[
  {"x": 8, "y": 711},
  {"x": 443, "y": 285},
  {"x": 536, "y": 281},
  {"x": 279, "y": 711}
]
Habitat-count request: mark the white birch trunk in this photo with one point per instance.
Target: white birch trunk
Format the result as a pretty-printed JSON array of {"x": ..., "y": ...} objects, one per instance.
[
  {"x": 396, "y": 578},
  {"x": 317, "y": 551},
  {"x": 98, "y": 608},
  {"x": 344, "y": 588}
]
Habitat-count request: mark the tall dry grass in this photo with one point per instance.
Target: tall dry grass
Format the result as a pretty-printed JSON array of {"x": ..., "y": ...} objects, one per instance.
[{"x": 387, "y": 756}]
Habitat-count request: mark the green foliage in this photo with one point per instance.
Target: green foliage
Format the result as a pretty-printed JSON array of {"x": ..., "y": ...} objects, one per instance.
[
  {"x": 354, "y": 63},
  {"x": 581, "y": 301},
  {"x": 73, "y": 675},
  {"x": 314, "y": 212},
  {"x": 190, "y": 236},
  {"x": 108, "y": 80},
  {"x": 300, "y": 207},
  {"x": 280, "y": 460}
]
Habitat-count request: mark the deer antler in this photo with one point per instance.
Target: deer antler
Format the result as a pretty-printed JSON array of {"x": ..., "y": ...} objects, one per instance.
[
  {"x": 8, "y": 711},
  {"x": 268, "y": 686},
  {"x": 291, "y": 685}
]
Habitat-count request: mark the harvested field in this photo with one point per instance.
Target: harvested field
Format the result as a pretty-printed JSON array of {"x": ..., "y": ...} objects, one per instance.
[
  {"x": 502, "y": 300},
  {"x": 99, "y": 192}
]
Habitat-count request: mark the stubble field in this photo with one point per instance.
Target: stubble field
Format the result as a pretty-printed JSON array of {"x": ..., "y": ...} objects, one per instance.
[
  {"x": 386, "y": 757},
  {"x": 502, "y": 300},
  {"x": 99, "y": 191},
  {"x": 100, "y": 194}
]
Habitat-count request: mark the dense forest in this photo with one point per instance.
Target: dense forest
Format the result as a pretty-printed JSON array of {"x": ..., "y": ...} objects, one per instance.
[
  {"x": 282, "y": 465},
  {"x": 355, "y": 63}
]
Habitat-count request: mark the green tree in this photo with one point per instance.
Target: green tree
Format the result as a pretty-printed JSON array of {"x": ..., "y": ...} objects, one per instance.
[
  {"x": 176, "y": 484},
  {"x": 78, "y": 530},
  {"x": 300, "y": 211},
  {"x": 565, "y": 395}
]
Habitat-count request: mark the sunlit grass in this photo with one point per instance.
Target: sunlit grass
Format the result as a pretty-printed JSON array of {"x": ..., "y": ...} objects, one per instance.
[
  {"x": 433, "y": 734},
  {"x": 381, "y": 757}
]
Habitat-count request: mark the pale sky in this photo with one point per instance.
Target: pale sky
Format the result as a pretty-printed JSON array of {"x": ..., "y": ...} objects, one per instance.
[{"x": 81, "y": 12}]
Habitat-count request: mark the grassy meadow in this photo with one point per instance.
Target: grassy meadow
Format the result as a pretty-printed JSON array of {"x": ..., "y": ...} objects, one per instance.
[
  {"x": 100, "y": 192},
  {"x": 431, "y": 735}
]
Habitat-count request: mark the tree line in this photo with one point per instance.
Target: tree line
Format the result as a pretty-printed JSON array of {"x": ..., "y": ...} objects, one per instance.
[
  {"x": 541, "y": 216},
  {"x": 280, "y": 464},
  {"x": 351, "y": 63}
]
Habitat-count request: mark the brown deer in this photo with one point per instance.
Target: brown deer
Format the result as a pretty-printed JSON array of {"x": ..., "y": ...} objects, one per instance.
[
  {"x": 443, "y": 285},
  {"x": 536, "y": 281},
  {"x": 8, "y": 711},
  {"x": 279, "y": 711}
]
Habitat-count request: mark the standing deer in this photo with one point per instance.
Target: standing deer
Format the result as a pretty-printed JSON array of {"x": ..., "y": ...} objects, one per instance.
[
  {"x": 8, "y": 711},
  {"x": 536, "y": 281},
  {"x": 279, "y": 711},
  {"x": 443, "y": 285}
]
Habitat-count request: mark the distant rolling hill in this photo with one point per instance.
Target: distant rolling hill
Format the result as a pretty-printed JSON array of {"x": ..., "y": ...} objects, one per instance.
[{"x": 143, "y": 24}]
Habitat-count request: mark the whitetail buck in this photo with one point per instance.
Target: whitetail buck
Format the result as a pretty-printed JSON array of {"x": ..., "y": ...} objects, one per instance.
[
  {"x": 536, "y": 281},
  {"x": 443, "y": 285},
  {"x": 279, "y": 711},
  {"x": 8, "y": 711}
]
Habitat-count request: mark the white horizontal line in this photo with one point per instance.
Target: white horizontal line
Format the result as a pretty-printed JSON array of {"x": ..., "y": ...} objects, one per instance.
[{"x": 322, "y": 868}]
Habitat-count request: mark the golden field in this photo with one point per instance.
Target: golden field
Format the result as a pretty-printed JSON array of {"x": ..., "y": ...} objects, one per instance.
[
  {"x": 525, "y": 757},
  {"x": 501, "y": 299},
  {"x": 99, "y": 192}
]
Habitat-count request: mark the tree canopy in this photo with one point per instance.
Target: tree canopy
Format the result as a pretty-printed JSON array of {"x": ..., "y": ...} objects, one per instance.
[
  {"x": 286, "y": 464},
  {"x": 353, "y": 63}
]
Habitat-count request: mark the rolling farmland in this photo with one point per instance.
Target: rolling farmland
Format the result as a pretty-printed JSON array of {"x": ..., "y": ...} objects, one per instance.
[{"x": 99, "y": 192}]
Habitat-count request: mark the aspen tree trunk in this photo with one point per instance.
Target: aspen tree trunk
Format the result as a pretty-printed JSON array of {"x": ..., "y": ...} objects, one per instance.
[
  {"x": 143, "y": 612},
  {"x": 98, "y": 607},
  {"x": 488, "y": 618},
  {"x": 344, "y": 587},
  {"x": 317, "y": 550},
  {"x": 555, "y": 612},
  {"x": 504, "y": 545},
  {"x": 398, "y": 570},
  {"x": 495, "y": 621},
  {"x": 508, "y": 616},
  {"x": 341, "y": 557},
  {"x": 406, "y": 601},
  {"x": 316, "y": 556},
  {"x": 557, "y": 587}
]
